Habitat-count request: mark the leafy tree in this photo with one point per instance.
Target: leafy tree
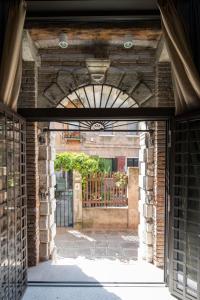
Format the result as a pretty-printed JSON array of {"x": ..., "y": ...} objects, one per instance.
[
  {"x": 80, "y": 162},
  {"x": 85, "y": 165}
]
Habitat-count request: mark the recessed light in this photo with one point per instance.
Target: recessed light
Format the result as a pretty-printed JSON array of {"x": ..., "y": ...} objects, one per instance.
[
  {"x": 63, "y": 41},
  {"x": 128, "y": 44}
]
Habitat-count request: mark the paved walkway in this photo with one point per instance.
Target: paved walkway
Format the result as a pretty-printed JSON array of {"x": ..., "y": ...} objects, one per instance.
[
  {"x": 98, "y": 293},
  {"x": 122, "y": 245},
  {"x": 96, "y": 256}
]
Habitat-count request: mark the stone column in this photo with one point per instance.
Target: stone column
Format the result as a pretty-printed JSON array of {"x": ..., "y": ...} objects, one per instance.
[
  {"x": 47, "y": 197},
  {"x": 77, "y": 200},
  {"x": 146, "y": 180},
  {"x": 133, "y": 197}
]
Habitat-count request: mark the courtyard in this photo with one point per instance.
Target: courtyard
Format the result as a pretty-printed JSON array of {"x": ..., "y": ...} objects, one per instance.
[
  {"x": 98, "y": 257},
  {"x": 99, "y": 265}
]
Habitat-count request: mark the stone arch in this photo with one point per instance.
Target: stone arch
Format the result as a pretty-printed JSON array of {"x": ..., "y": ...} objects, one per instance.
[
  {"x": 98, "y": 96},
  {"x": 69, "y": 81}
]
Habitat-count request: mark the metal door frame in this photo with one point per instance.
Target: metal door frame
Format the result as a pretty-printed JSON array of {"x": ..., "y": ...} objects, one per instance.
[
  {"x": 187, "y": 118},
  {"x": 132, "y": 114},
  {"x": 13, "y": 130}
]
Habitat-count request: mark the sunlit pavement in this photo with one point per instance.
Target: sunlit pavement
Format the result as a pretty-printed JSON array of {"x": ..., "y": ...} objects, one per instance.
[
  {"x": 96, "y": 256},
  {"x": 98, "y": 293},
  {"x": 96, "y": 265}
]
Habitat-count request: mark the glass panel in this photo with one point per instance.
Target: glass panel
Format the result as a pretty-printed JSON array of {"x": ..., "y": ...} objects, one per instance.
[
  {"x": 12, "y": 228},
  {"x": 187, "y": 210}
]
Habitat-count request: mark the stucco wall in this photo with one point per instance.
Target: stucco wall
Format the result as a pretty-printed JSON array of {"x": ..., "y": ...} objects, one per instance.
[
  {"x": 103, "y": 145},
  {"x": 111, "y": 218}
]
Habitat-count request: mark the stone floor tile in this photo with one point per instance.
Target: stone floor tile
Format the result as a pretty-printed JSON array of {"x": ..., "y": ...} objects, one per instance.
[
  {"x": 113, "y": 244},
  {"x": 102, "y": 243},
  {"x": 98, "y": 293},
  {"x": 68, "y": 252},
  {"x": 131, "y": 245},
  {"x": 84, "y": 252},
  {"x": 86, "y": 244},
  {"x": 114, "y": 252},
  {"x": 130, "y": 254},
  {"x": 100, "y": 252}
]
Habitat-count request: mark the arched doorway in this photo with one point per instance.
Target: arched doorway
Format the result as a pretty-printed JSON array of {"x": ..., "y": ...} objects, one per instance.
[{"x": 99, "y": 96}]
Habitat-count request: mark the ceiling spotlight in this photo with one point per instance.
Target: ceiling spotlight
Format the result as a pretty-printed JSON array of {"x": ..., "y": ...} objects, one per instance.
[
  {"x": 128, "y": 42},
  {"x": 63, "y": 41}
]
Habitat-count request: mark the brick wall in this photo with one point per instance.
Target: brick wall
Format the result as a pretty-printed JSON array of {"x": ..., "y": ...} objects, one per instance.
[
  {"x": 163, "y": 85},
  {"x": 134, "y": 73},
  {"x": 32, "y": 194},
  {"x": 29, "y": 90},
  {"x": 28, "y": 98},
  {"x": 152, "y": 153},
  {"x": 165, "y": 97},
  {"x": 159, "y": 193}
]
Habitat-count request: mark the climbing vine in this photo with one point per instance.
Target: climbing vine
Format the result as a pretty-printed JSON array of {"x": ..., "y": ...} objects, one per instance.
[
  {"x": 121, "y": 179},
  {"x": 80, "y": 162},
  {"x": 86, "y": 165}
]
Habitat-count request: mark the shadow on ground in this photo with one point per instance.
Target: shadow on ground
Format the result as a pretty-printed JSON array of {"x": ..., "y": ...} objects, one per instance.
[
  {"x": 55, "y": 293},
  {"x": 102, "y": 256}
]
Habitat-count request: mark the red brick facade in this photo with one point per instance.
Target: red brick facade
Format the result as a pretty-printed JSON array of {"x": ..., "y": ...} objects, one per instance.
[
  {"x": 159, "y": 194},
  {"x": 165, "y": 98},
  {"x": 32, "y": 194},
  {"x": 28, "y": 98}
]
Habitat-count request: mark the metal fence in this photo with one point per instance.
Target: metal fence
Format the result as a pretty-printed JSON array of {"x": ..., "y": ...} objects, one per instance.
[{"x": 105, "y": 190}]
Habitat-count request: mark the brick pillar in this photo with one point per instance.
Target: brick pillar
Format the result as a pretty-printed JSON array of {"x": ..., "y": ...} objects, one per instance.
[
  {"x": 159, "y": 193},
  {"x": 165, "y": 97},
  {"x": 32, "y": 194},
  {"x": 28, "y": 98},
  {"x": 29, "y": 86},
  {"x": 163, "y": 85}
]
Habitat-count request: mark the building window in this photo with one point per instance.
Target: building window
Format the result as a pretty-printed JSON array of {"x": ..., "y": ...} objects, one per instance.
[
  {"x": 73, "y": 126},
  {"x": 132, "y": 162},
  {"x": 114, "y": 165},
  {"x": 108, "y": 164},
  {"x": 73, "y": 133}
]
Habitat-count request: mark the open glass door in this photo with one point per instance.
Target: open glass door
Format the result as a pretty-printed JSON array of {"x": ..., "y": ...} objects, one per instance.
[
  {"x": 13, "y": 223},
  {"x": 185, "y": 226}
]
